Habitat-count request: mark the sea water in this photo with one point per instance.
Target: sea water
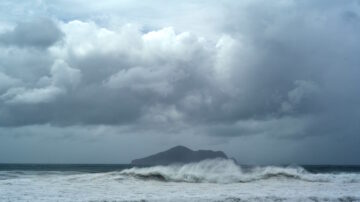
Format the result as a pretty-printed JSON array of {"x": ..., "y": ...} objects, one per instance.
[{"x": 209, "y": 180}]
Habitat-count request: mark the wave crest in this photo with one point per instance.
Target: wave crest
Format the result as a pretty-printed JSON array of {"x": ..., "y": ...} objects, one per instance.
[{"x": 222, "y": 171}]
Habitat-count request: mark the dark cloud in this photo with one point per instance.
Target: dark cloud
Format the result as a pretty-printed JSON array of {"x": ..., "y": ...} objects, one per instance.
[
  {"x": 277, "y": 73},
  {"x": 40, "y": 33}
]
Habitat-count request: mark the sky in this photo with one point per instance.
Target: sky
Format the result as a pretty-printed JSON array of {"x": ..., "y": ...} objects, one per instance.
[{"x": 267, "y": 82}]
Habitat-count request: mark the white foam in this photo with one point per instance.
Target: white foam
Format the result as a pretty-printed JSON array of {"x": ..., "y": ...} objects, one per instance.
[
  {"x": 219, "y": 182},
  {"x": 226, "y": 171}
]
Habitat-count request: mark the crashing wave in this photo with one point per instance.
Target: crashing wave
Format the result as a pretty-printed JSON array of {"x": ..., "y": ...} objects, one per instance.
[{"x": 226, "y": 171}]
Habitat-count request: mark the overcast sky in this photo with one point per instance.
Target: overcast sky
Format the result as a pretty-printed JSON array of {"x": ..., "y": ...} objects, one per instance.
[{"x": 267, "y": 82}]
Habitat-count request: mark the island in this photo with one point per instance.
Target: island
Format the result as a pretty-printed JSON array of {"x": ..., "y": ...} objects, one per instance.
[{"x": 179, "y": 155}]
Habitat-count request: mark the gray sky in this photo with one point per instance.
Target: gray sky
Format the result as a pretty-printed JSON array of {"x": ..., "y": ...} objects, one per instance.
[{"x": 106, "y": 82}]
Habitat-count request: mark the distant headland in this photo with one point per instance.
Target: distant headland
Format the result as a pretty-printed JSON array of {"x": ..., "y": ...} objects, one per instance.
[{"x": 179, "y": 155}]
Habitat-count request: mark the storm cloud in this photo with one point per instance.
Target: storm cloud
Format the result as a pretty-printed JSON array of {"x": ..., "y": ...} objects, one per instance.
[
  {"x": 40, "y": 33},
  {"x": 216, "y": 75}
]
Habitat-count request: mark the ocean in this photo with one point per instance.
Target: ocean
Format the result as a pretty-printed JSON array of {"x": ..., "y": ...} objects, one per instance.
[{"x": 209, "y": 180}]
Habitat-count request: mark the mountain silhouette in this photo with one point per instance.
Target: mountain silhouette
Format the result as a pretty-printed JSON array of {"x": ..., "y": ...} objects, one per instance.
[{"x": 179, "y": 155}]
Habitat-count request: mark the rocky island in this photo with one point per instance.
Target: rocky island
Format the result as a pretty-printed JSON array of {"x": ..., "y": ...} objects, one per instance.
[{"x": 179, "y": 155}]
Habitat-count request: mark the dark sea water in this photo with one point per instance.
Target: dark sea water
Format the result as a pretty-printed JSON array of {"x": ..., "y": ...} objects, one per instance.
[
  {"x": 211, "y": 180},
  {"x": 93, "y": 168}
]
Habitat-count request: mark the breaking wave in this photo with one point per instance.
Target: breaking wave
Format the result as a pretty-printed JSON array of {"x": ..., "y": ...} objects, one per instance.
[
  {"x": 210, "y": 180},
  {"x": 226, "y": 171}
]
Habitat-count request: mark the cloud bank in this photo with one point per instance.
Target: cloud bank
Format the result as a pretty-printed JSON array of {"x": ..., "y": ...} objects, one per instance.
[{"x": 215, "y": 71}]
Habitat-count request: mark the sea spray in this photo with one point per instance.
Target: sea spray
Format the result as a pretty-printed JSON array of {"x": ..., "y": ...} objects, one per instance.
[
  {"x": 216, "y": 171},
  {"x": 226, "y": 171}
]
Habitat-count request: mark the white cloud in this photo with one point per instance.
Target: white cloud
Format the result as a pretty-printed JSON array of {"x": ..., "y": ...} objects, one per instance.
[
  {"x": 86, "y": 38},
  {"x": 142, "y": 79},
  {"x": 62, "y": 78}
]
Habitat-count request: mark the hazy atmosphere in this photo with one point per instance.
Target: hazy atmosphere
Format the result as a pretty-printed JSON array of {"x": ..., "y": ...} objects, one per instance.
[{"x": 267, "y": 82}]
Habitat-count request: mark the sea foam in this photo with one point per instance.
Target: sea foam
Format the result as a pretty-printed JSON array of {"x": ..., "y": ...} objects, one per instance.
[
  {"x": 209, "y": 180},
  {"x": 226, "y": 171}
]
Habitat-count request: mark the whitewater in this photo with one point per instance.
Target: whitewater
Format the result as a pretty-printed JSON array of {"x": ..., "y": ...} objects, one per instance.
[{"x": 209, "y": 180}]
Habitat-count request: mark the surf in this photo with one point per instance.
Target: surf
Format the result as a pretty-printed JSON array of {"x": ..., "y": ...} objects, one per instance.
[{"x": 225, "y": 171}]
